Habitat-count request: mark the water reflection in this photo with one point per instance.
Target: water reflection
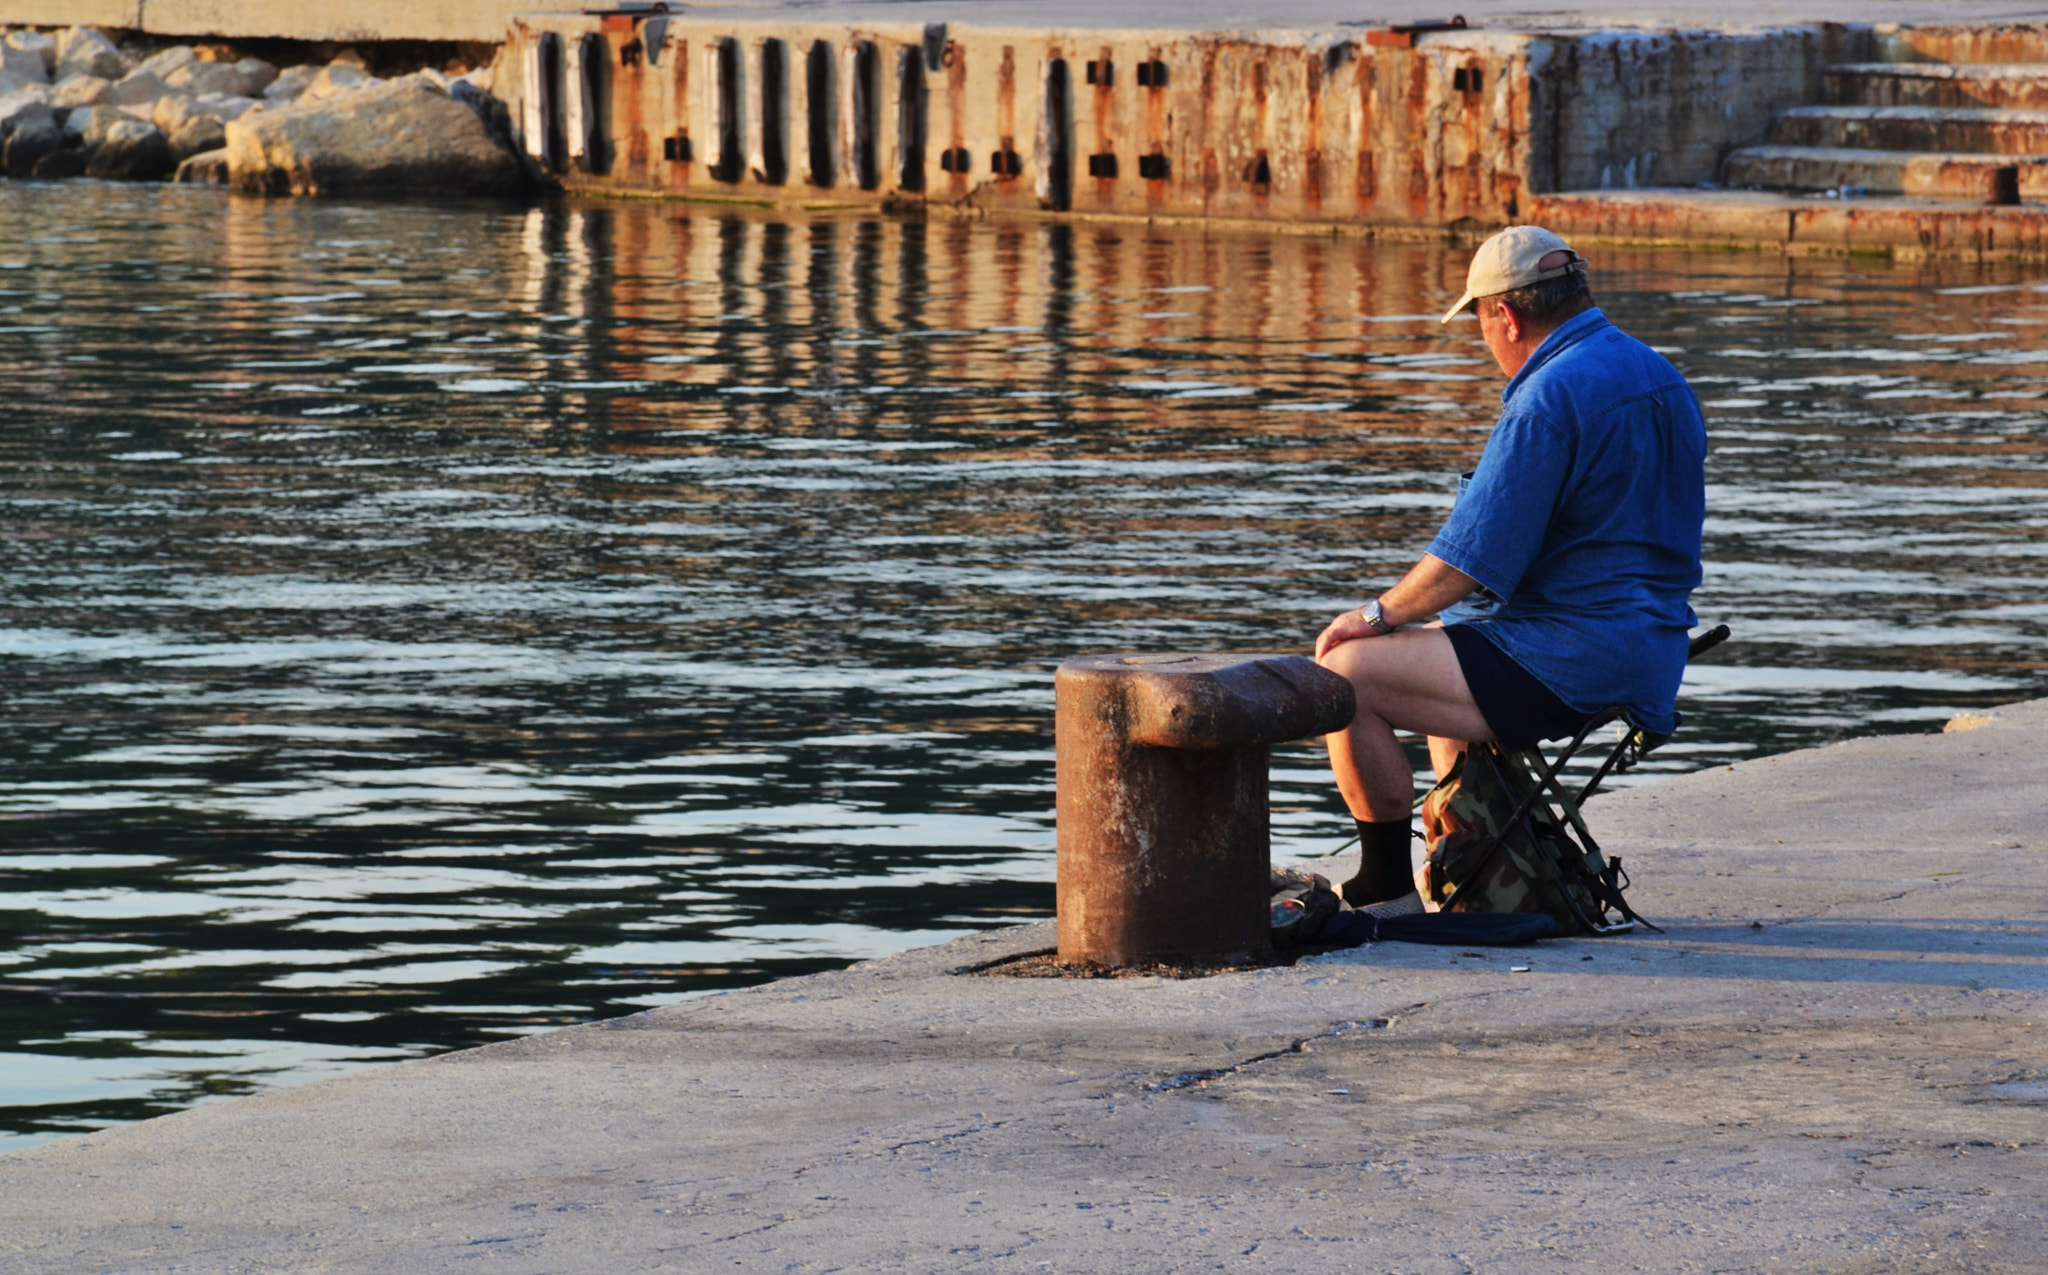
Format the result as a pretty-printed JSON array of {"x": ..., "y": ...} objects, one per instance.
[{"x": 427, "y": 624}]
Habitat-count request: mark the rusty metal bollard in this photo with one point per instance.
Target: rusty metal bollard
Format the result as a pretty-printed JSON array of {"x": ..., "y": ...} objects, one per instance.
[{"x": 1164, "y": 847}]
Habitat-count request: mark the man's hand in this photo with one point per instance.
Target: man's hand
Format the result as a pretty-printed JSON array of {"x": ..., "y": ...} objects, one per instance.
[
  {"x": 1343, "y": 629},
  {"x": 1430, "y": 585}
]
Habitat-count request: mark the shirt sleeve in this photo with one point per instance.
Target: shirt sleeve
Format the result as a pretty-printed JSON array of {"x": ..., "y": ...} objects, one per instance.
[{"x": 1497, "y": 528}]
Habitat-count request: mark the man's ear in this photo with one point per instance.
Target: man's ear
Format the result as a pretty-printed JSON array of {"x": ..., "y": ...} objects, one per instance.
[{"x": 1511, "y": 323}]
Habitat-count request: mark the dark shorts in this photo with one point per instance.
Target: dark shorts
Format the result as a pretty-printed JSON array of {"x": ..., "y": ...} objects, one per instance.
[{"x": 1520, "y": 709}]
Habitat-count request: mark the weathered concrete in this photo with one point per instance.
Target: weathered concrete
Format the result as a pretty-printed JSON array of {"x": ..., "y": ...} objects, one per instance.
[
  {"x": 1908, "y": 229},
  {"x": 1833, "y": 1060},
  {"x": 1948, "y": 176}
]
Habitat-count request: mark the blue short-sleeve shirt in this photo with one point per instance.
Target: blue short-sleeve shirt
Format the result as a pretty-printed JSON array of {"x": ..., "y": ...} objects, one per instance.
[{"x": 1582, "y": 522}]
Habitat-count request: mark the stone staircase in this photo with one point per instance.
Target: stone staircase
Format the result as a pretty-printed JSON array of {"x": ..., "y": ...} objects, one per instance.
[{"x": 1963, "y": 132}]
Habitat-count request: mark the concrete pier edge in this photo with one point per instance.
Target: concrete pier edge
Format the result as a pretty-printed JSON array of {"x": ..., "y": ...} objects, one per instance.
[{"x": 1834, "y": 1059}]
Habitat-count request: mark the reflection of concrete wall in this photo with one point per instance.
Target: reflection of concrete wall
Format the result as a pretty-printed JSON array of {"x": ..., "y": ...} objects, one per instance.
[{"x": 1459, "y": 129}]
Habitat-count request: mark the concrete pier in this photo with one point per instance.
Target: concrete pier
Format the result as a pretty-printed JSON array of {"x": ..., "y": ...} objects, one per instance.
[
  {"x": 1931, "y": 124},
  {"x": 1833, "y": 1059}
]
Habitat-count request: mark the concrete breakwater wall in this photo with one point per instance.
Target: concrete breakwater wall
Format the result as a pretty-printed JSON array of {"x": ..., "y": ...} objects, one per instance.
[
  {"x": 1938, "y": 132},
  {"x": 1427, "y": 128}
]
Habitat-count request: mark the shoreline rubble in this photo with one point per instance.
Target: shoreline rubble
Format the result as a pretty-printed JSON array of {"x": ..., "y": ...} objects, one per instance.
[{"x": 74, "y": 103}]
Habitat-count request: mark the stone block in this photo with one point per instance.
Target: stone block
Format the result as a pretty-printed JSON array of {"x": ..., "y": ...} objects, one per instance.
[
  {"x": 290, "y": 83},
  {"x": 401, "y": 135},
  {"x": 84, "y": 51},
  {"x": 80, "y": 90},
  {"x": 24, "y": 106},
  {"x": 138, "y": 88},
  {"x": 29, "y": 143},
  {"x": 37, "y": 43},
  {"x": 131, "y": 150},
  {"x": 22, "y": 66}
]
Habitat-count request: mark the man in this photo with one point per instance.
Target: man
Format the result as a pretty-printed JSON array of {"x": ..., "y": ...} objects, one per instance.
[{"x": 1563, "y": 574}]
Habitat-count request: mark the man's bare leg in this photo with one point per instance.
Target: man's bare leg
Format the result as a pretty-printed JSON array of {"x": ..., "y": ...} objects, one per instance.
[
  {"x": 1444, "y": 753},
  {"x": 1408, "y": 681}
]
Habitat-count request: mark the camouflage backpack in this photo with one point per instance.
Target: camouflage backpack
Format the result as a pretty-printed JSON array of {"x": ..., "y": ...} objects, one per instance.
[{"x": 1495, "y": 845}]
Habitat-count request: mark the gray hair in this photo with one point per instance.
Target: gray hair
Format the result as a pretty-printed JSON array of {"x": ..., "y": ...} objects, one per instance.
[{"x": 1541, "y": 300}]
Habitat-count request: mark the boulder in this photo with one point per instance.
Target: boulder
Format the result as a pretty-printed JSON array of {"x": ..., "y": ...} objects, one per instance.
[
  {"x": 171, "y": 113},
  {"x": 24, "y": 106},
  {"x": 209, "y": 169},
  {"x": 84, "y": 51},
  {"x": 400, "y": 135},
  {"x": 29, "y": 143},
  {"x": 197, "y": 135},
  {"x": 201, "y": 78},
  {"x": 289, "y": 83},
  {"x": 131, "y": 151},
  {"x": 37, "y": 43},
  {"x": 69, "y": 162},
  {"x": 258, "y": 73},
  {"x": 137, "y": 88},
  {"x": 337, "y": 78},
  {"x": 20, "y": 67},
  {"x": 87, "y": 126},
  {"x": 80, "y": 90},
  {"x": 162, "y": 64}
]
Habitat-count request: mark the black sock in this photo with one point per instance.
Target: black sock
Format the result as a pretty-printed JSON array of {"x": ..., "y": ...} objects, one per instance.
[{"x": 1384, "y": 871}]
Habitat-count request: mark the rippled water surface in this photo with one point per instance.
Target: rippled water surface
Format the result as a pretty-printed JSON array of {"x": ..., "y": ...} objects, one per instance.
[{"x": 423, "y": 625}]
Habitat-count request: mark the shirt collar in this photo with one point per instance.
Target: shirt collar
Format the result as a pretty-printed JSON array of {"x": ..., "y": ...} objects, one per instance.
[{"x": 1569, "y": 333}]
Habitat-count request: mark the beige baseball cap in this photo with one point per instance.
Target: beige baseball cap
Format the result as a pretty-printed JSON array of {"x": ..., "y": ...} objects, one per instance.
[{"x": 1510, "y": 260}]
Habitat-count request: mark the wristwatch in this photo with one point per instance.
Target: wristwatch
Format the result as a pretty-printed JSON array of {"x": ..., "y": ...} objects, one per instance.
[{"x": 1370, "y": 613}]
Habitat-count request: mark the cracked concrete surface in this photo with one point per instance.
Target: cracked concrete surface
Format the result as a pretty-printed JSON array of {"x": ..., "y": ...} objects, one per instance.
[{"x": 1833, "y": 1061}]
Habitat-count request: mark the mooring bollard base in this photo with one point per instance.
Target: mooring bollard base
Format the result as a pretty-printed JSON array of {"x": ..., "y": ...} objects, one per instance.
[{"x": 1164, "y": 844}]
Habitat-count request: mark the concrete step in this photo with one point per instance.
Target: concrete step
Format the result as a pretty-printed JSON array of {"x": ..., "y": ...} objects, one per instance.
[
  {"x": 1974, "y": 178},
  {"x": 1914, "y": 128},
  {"x": 1904, "y": 228},
  {"x": 2020, "y": 86}
]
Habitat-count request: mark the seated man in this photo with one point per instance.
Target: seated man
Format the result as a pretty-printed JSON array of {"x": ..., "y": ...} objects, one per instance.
[{"x": 1563, "y": 574}]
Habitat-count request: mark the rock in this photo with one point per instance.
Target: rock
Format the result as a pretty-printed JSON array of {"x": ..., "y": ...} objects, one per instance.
[
  {"x": 209, "y": 169},
  {"x": 137, "y": 88},
  {"x": 80, "y": 90},
  {"x": 483, "y": 77},
  {"x": 170, "y": 113},
  {"x": 84, "y": 51},
  {"x": 260, "y": 74},
  {"x": 131, "y": 151},
  {"x": 337, "y": 78},
  {"x": 29, "y": 143},
  {"x": 37, "y": 43},
  {"x": 87, "y": 126},
  {"x": 196, "y": 136},
  {"x": 225, "y": 107},
  {"x": 200, "y": 78},
  {"x": 289, "y": 83},
  {"x": 401, "y": 135},
  {"x": 69, "y": 162},
  {"x": 21, "y": 66},
  {"x": 162, "y": 64},
  {"x": 24, "y": 106}
]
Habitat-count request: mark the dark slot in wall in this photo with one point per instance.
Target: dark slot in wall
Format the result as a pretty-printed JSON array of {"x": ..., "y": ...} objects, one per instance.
[
  {"x": 553, "y": 139},
  {"x": 594, "y": 82},
  {"x": 732, "y": 160},
  {"x": 911, "y": 118},
  {"x": 867, "y": 113},
  {"x": 821, "y": 97},
  {"x": 774, "y": 112},
  {"x": 1059, "y": 135}
]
